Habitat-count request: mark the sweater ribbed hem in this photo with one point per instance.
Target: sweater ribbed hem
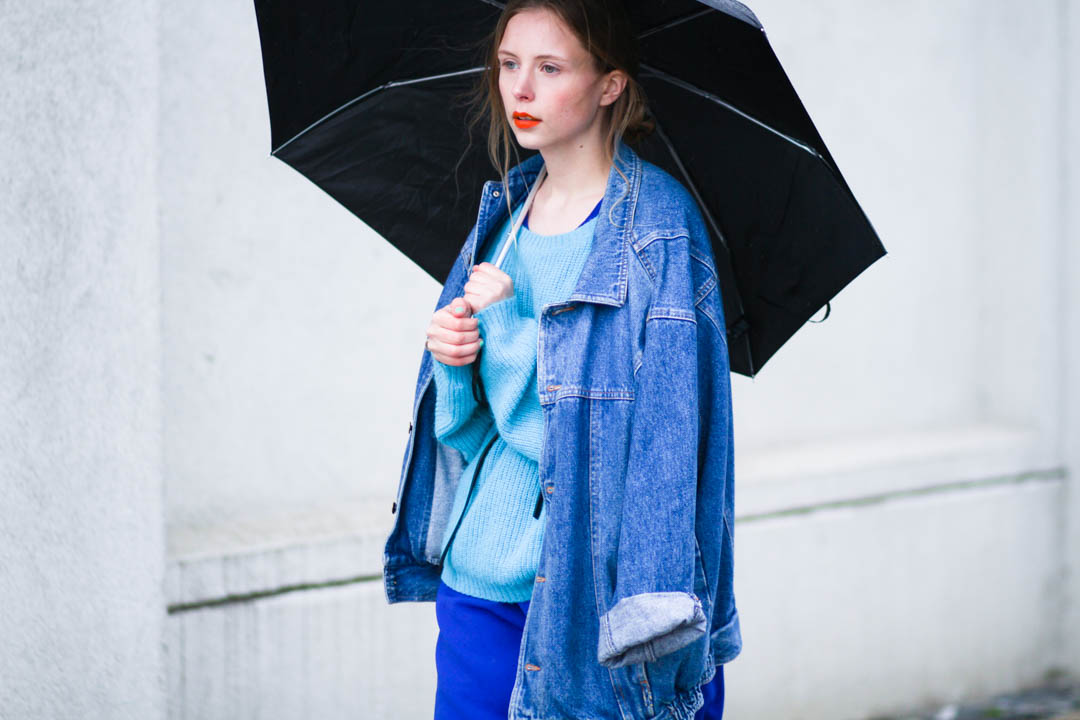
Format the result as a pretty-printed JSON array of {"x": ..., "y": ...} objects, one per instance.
[
  {"x": 496, "y": 550},
  {"x": 453, "y": 385},
  {"x": 496, "y": 593},
  {"x": 499, "y": 317}
]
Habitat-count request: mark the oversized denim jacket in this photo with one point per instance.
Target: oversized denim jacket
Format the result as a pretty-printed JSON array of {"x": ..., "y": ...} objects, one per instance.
[{"x": 633, "y": 605}]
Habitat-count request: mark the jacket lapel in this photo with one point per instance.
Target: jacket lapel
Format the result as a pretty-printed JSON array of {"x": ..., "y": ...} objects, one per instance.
[{"x": 604, "y": 276}]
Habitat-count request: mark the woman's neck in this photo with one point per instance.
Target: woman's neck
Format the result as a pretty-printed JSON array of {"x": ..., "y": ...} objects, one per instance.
[
  {"x": 574, "y": 171},
  {"x": 563, "y": 200}
]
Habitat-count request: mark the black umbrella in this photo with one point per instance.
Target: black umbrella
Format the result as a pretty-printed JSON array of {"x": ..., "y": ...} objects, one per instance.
[{"x": 365, "y": 101}]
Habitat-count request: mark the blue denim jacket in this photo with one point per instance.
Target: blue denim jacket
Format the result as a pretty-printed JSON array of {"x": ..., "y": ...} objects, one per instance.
[{"x": 633, "y": 605}]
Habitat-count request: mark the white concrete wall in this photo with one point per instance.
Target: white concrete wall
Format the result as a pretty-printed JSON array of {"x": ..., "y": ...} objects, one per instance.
[
  {"x": 908, "y": 525},
  {"x": 331, "y": 652},
  {"x": 293, "y": 329},
  {"x": 931, "y": 113},
  {"x": 269, "y": 284},
  {"x": 864, "y": 609},
  {"x": 902, "y": 501},
  {"x": 933, "y": 385},
  {"x": 82, "y": 550}
]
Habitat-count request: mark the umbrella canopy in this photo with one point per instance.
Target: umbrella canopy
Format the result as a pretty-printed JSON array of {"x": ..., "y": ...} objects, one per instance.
[{"x": 366, "y": 100}]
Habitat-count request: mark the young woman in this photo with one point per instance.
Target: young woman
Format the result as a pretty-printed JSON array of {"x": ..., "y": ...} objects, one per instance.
[{"x": 561, "y": 81}]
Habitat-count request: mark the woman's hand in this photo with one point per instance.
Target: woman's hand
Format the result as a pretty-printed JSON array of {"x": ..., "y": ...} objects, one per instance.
[
  {"x": 487, "y": 286},
  {"x": 453, "y": 335}
]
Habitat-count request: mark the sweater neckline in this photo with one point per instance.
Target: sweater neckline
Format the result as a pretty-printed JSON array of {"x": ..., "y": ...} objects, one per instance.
[{"x": 593, "y": 214}]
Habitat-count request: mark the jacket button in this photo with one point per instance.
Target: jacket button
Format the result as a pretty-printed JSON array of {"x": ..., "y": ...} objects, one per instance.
[
  {"x": 541, "y": 578},
  {"x": 494, "y": 193},
  {"x": 553, "y": 388},
  {"x": 530, "y": 666}
]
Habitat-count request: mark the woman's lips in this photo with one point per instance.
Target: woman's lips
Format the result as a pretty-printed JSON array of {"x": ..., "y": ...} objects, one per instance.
[{"x": 524, "y": 120}]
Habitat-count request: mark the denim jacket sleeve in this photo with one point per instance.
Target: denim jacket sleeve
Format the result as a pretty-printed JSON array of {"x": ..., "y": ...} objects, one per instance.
[{"x": 654, "y": 610}]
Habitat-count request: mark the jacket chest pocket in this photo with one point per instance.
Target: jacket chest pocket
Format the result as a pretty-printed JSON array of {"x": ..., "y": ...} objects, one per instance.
[{"x": 585, "y": 351}]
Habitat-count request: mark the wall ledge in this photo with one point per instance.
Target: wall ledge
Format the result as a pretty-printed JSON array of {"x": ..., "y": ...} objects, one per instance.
[
  {"x": 244, "y": 559},
  {"x": 771, "y": 481}
]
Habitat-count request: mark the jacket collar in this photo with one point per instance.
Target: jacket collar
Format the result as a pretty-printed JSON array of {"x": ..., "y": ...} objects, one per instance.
[{"x": 603, "y": 278}]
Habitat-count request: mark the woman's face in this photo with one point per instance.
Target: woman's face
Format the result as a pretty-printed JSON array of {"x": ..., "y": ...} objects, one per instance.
[{"x": 545, "y": 73}]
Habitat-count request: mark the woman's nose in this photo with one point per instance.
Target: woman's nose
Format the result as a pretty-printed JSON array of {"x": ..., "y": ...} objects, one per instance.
[{"x": 522, "y": 89}]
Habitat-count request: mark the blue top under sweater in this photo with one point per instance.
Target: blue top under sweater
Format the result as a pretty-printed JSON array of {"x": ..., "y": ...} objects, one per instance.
[{"x": 496, "y": 551}]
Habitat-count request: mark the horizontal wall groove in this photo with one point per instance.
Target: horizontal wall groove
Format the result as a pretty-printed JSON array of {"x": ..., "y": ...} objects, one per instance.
[
  {"x": 242, "y": 598},
  {"x": 1049, "y": 475}
]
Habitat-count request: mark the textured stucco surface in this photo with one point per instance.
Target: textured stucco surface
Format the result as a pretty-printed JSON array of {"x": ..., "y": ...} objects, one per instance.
[
  {"x": 293, "y": 331},
  {"x": 198, "y": 345},
  {"x": 81, "y": 532},
  {"x": 1069, "y": 299}
]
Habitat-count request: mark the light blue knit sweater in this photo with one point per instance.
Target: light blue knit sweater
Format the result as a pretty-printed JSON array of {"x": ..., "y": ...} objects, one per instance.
[{"x": 496, "y": 551}]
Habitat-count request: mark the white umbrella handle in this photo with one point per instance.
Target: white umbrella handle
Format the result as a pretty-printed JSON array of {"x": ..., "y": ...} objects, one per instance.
[{"x": 512, "y": 237}]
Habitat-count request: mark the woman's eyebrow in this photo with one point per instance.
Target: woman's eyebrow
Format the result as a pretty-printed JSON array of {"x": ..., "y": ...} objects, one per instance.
[{"x": 538, "y": 57}]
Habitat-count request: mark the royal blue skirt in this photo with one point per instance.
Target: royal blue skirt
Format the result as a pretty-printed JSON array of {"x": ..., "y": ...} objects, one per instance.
[{"x": 476, "y": 657}]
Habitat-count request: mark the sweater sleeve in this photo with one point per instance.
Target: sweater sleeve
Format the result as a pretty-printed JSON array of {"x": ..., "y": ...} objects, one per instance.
[
  {"x": 508, "y": 369},
  {"x": 459, "y": 421}
]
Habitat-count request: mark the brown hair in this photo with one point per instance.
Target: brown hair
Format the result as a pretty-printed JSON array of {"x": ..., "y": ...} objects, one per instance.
[{"x": 604, "y": 30}]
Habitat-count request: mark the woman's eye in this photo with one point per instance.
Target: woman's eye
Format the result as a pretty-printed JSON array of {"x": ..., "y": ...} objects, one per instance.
[{"x": 546, "y": 68}]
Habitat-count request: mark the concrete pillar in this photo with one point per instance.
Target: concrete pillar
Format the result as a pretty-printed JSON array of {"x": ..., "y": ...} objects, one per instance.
[
  {"x": 1070, "y": 326},
  {"x": 81, "y": 517}
]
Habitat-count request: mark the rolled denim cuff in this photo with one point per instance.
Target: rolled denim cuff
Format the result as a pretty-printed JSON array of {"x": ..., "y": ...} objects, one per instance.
[{"x": 644, "y": 627}]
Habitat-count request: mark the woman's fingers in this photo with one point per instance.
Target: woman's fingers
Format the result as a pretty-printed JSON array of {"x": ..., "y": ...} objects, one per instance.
[
  {"x": 486, "y": 268},
  {"x": 453, "y": 337},
  {"x": 451, "y": 354},
  {"x": 459, "y": 307},
  {"x": 453, "y": 319},
  {"x": 480, "y": 286},
  {"x": 487, "y": 285}
]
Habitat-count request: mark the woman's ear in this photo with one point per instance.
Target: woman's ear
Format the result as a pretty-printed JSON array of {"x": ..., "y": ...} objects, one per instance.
[{"x": 614, "y": 83}]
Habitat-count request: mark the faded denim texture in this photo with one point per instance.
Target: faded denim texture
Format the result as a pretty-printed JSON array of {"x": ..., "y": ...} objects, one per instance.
[{"x": 633, "y": 605}]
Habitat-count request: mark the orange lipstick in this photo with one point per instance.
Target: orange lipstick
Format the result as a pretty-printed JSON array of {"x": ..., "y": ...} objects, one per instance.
[{"x": 525, "y": 120}]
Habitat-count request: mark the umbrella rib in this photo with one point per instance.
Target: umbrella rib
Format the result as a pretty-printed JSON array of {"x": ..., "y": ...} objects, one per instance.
[
  {"x": 729, "y": 7},
  {"x": 384, "y": 86},
  {"x": 692, "y": 184},
  {"x": 704, "y": 207},
  {"x": 661, "y": 75},
  {"x": 736, "y": 10},
  {"x": 678, "y": 21}
]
